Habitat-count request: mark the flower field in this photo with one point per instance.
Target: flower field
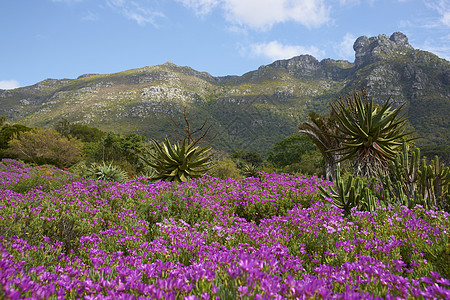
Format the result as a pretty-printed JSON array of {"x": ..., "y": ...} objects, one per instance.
[{"x": 272, "y": 237}]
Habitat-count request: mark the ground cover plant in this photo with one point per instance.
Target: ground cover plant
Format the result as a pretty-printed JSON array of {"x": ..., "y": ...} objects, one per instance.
[{"x": 272, "y": 237}]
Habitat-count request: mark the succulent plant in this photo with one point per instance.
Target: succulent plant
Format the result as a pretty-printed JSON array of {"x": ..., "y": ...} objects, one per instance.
[
  {"x": 369, "y": 134},
  {"x": 177, "y": 162},
  {"x": 106, "y": 172},
  {"x": 250, "y": 170},
  {"x": 351, "y": 192},
  {"x": 412, "y": 181}
]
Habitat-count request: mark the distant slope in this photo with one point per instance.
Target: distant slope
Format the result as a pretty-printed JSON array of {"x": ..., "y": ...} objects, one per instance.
[{"x": 249, "y": 112}]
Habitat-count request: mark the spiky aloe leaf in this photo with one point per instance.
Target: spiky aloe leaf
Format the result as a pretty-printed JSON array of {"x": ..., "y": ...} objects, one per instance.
[
  {"x": 368, "y": 134},
  {"x": 178, "y": 162}
]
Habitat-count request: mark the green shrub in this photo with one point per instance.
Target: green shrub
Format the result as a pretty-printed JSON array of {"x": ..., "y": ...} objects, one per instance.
[
  {"x": 225, "y": 168},
  {"x": 46, "y": 146}
]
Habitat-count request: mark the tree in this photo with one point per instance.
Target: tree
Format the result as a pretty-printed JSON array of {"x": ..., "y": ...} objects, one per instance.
[
  {"x": 322, "y": 132},
  {"x": 7, "y": 133},
  {"x": 46, "y": 146},
  {"x": 290, "y": 150},
  {"x": 252, "y": 158},
  {"x": 224, "y": 167},
  {"x": 85, "y": 133},
  {"x": 369, "y": 135},
  {"x": 63, "y": 127}
]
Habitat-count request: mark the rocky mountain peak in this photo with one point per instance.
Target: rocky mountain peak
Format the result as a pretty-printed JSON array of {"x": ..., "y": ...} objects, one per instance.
[
  {"x": 298, "y": 66},
  {"x": 297, "y": 63},
  {"x": 370, "y": 50}
]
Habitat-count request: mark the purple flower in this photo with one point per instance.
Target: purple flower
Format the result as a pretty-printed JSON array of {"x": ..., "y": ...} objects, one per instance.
[{"x": 243, "y": 290}]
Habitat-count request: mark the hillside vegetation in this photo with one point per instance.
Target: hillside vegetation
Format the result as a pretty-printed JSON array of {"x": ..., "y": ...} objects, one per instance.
[{"x": 250, "y": 112}]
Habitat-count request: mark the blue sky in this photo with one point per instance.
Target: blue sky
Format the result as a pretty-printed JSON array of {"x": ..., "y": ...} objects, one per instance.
[{"x": 66, "y": 38}]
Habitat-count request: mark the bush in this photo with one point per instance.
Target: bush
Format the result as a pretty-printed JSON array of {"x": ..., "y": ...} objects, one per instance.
[
  {"x": 46, "y": 146},
  {"x": 225, "y": 168},
  {"x": 7, "y": 133}
]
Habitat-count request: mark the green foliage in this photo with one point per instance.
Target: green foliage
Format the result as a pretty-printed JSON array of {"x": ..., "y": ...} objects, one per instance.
[
  {"x": 84, "y": 133},
  {"x": 412, "y": 181},
  {"x": 296, "y": 154},
  {"x": 322, "y": 130},
  {"x": 174, "y": 206},
  {"x": 225, "y": 168},
  {"x": 351, "y": 192},
  {"x": 290, "y": 150},
  {"x": 259, "y": 210},
  {"x": 118, "y": 147},
  {"x": 248, "y": 157},
  {"x": 7, "y": 133},
  {"x": 106, "y": 172},
  {"x": 63, "y": 127},
  {"x": 46, "y": 146},
  {"x": 178, "y": 162},
  {"x": 250, "y": 170},
  {"x": 442, "y": 151},
  {"x": 369, "y": 134},
  {"x": 124, "y": 150}
]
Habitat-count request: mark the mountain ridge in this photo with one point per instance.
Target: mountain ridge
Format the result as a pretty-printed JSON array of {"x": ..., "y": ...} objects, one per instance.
[{"x": 251, "y": 111}]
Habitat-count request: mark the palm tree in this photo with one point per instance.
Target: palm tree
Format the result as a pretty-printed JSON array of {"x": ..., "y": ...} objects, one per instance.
[{"x": 322, "y": 131}]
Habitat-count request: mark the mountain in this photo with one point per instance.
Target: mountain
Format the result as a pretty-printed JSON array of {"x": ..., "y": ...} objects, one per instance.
[{"x": 249, "y": 112}]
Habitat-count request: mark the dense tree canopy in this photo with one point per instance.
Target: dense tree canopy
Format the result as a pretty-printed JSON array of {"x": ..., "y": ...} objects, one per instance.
[{"x": 290, "y": 150}]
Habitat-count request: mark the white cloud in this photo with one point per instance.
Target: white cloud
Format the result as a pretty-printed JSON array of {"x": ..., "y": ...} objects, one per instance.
[
  {"x": 9, "y": 84},
  {"x": 446, "y": 18},
  {"x": 345, "y": 48},
  {"x": 133, "y": 11},
  {"x": 443, "y": 9},
  {"x": 276, "y": 50},
  {"x": 201, "y": 7},
  {"x": 263, "y": 14}
]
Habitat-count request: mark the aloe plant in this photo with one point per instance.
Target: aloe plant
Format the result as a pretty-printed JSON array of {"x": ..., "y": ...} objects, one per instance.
[
  {"x": 370, "y": 135},
  {"x": 250, "y": 170},
  {"x": 177, "y": 162},
  {"x": 106, "y": 172}
]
